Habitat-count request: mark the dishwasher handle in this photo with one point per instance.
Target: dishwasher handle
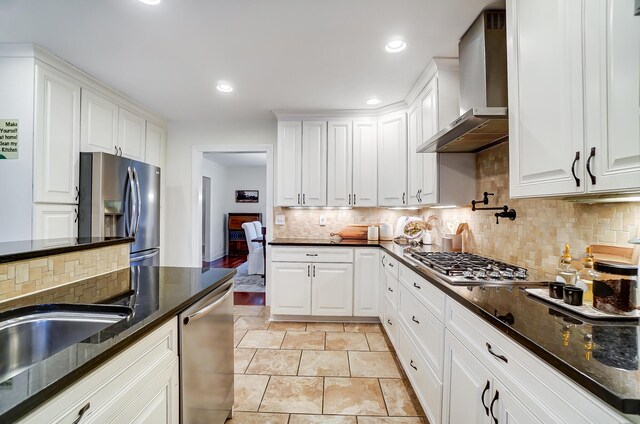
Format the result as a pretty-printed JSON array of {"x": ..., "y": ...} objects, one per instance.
[{"x": 202, "y": 312}]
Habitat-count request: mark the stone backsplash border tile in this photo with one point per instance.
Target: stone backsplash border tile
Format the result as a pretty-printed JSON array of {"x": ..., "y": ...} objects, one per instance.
[{"x": 30, "y": 276}]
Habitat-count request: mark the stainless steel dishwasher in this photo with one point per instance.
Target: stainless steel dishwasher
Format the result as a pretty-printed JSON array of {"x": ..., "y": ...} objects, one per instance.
[{"x": 206, "y": 358}]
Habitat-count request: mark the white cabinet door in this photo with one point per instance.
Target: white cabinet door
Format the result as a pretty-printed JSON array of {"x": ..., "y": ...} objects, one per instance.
[
  {"x": 392, "y": 160},
  {"x": 154, "y": 144},
  {"x": 546, "y": 116},
  {"x": 429, "y": 193},
  {"x": 508, "y": 409},
  {"x": 57, "y": 137},
  {"x": 612, "y": 72},
  {"x": 429, "y": 110},
  {"x": 414, "y": 160},
  {"x": 158, "y": 403},
  {"x": 52, "y": 221},
  {"x": 290, "y": 288},
  {"x": 131, "y": 134},
  {"x": 366, "y": 290},
  {"x": 467, "y": 386},
  {"x": 314, "y": 163},
  {"x": 98, "y": 123},
  {"x": 339, "y": 163},
  {"x": 289, "y": 166},
  {"x": 332, "y": 289},
  {"x": 365, "y": 164}
]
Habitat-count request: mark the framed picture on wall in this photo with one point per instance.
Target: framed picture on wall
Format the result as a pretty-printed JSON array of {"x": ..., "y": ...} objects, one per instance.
[{"x": 246, "y": 196}]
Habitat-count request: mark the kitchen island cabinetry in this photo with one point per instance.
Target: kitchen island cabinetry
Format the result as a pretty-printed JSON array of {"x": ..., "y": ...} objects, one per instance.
[{"x": 140, "y": 384}]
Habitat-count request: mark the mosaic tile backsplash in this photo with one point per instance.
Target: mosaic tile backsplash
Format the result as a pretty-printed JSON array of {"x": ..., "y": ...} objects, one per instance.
[
  {"x": 534, "y": 240},
  {"x": 35, "y": 275}
]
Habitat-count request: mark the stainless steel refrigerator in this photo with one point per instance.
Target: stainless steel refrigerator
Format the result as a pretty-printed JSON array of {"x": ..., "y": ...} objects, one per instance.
[{"x": 121, "y": 197}]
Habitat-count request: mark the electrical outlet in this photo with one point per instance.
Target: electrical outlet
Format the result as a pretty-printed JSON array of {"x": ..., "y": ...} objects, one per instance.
[
  {"x": 279, "y": 219},
  {"x": 322, "y": 220}
]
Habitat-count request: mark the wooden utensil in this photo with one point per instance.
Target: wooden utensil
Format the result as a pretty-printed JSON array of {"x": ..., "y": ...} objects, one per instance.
[{"x": 461, "y": 227}]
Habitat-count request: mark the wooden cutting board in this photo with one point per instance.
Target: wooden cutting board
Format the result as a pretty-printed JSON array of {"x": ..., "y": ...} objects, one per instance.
[{"x": 353, "y": 232}]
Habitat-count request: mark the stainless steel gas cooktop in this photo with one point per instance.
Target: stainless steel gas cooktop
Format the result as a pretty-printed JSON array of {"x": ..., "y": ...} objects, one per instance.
[{"x": 466, "y": 268}]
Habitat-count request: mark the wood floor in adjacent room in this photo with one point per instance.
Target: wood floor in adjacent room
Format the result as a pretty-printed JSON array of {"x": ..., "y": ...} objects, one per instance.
[{"x": 308, "y": 373}]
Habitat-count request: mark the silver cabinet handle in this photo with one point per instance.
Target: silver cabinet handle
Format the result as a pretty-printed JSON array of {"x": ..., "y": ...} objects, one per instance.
[
  {"x": 303, "y": 199},
  {"x": 198, "y": 314},
  {"x": 383, "y": 256}
]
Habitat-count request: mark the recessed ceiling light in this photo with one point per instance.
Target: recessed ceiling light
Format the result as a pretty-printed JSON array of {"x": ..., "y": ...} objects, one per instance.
[
  {"x": 395, "y": 46},
  {"x": 151, "y": 2},
  {"x": 224, "y": 87},
  {"x": 373, "y": 101}
]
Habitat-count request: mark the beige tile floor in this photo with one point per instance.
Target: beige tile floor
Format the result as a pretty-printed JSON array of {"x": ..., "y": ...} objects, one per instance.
[{"x": 317, "y": 373}]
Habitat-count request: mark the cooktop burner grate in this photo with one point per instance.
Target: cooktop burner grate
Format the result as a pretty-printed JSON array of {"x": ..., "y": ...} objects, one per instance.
[{"x": 460, "y": 268}]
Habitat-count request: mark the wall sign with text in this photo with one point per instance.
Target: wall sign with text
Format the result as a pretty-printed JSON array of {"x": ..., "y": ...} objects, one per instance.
[{"x": 8, "y": 139}]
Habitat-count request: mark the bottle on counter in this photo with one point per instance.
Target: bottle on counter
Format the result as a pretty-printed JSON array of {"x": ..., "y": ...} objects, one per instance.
[
  {"x": 586, "y": 275},
  {"x": 566, "y": 272}
]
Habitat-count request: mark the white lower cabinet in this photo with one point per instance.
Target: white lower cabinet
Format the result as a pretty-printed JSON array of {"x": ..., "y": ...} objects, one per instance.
[
  {"x": 139, "y": 385},
  {"x": 53, "y": 221},
  {"x": 290, "y": 288},
  {"x": 425, "y": 382},
  {"x": 366, "y": 277},
  {"x": 332, "y": 289}
]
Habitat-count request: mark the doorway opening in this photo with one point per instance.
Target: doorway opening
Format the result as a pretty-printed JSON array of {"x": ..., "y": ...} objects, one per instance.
[{"x": 235, "y": 186}]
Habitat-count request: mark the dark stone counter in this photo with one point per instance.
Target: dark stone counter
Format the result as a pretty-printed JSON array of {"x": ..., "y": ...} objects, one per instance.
[
  {"x": 155, "y": 294},
  {"x": 601, "y": 356},
  {"x": 11, "y": 251}
]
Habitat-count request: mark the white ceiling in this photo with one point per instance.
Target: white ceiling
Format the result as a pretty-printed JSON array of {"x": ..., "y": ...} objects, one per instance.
[
  {"x": 238, "y": 159},
  {"x": 278, "y": 54}
]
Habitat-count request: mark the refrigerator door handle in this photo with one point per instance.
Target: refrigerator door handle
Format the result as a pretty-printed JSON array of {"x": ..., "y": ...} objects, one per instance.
[
  {"x": 132, "y": 205},
  {"x": 139, "y": 195},
  {"x": 143, "y": 257}
]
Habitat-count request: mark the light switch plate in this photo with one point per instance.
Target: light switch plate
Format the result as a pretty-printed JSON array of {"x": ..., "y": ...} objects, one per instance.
[
  {"x": 322, "y": 220},
  {"x": 279, "y": 219}
]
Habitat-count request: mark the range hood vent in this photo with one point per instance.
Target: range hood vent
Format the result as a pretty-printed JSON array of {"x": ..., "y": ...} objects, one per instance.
[{"x": 483, "y": 90}]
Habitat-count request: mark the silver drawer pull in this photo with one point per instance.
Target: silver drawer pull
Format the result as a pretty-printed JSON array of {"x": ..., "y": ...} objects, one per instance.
[
  {"x": 413, "y": 366},
  {"x": 413, "y": 318},
  {"x": 416, "y": 286}
]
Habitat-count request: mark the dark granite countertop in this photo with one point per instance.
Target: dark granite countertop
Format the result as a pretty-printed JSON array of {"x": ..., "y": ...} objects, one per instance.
[
  {"x": 11, "y": 251},
  {"x": 156, "y": 294},
  {"x": 600, "y": 356}
]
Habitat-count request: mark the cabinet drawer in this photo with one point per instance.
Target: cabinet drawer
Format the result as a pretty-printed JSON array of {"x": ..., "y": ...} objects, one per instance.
[
  {"x": 391, "y": 289},
  {"x": 526, "y": 375},
  {"x": 390, "y": 264},
  {"x": 426, "y": 331},
  {"x": 424, "y": 291},
  {"x": 311, "y": 254},
  {"x": 110, "y": 388},
  {"x": 426, "y": 384},
  {"x": 390, "y": 322}
]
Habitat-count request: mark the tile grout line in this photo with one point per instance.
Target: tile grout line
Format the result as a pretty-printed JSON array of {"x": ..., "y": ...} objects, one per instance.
[{"x": 384, "y": 399}]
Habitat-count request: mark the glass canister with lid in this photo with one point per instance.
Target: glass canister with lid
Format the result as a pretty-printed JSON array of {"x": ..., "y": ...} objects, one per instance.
[{"x": 615, "y": 286}]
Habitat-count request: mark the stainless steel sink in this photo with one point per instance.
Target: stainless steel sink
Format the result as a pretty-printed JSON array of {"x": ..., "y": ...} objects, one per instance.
[{"x": 32, "y": 334}]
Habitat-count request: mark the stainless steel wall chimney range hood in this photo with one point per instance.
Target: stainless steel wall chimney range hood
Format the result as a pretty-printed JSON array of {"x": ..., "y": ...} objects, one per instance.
[{"x": 483, "y": 90}]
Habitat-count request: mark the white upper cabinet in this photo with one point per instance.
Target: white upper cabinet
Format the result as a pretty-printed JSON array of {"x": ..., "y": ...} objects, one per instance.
[
  {"x": 131, "y": 135},
  {"x": 365, "y": 163},
  {"x": 154, "y": 144},
  {"x": 289, "y": 166},
  {"x": 99, "y": 124},
  {"x": 546, "y": 115},
  {"x": 52, "y": 221},
  {"x": 392, "y": 160},
  {"x": 57, "y": 137},
  {"x": 612, "y": 91},
  {"x": 339, "y": 164},
  {"x": 314, "y": 163},
  {"x": 414, "y": 160}
]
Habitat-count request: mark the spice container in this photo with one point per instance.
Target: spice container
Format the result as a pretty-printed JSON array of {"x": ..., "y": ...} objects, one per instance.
[
  {"x": 587, "y": 274},
  {"x": 564, "y": 269},
  {"x": 614, "y": 287}
]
